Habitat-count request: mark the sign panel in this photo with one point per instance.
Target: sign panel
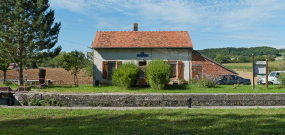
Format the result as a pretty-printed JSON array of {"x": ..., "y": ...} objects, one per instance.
[{"x": 259, "y": 67}]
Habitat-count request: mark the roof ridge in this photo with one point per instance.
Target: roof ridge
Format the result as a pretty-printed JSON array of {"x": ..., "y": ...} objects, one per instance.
[{"x": 142, "y": 31}]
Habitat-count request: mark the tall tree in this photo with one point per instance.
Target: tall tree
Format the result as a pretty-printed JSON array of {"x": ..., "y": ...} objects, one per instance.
[
  {"x": 74, "y": 61},
  {"x": 27, "y": 28},
  {"x": 4, "y": 63}
]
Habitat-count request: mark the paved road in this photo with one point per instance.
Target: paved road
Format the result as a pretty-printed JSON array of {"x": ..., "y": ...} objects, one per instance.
[{"x": 145, "y": 108}]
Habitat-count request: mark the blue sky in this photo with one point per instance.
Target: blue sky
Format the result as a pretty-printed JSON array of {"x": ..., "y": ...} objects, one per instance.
[{"x": 210, "y": 23}]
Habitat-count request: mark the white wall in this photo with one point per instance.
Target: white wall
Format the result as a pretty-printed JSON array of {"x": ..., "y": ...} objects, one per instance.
[{"x": 125, "y": 55}]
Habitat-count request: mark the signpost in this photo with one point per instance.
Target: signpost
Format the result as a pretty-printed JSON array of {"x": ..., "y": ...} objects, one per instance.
[{"x": 259, "y": 69}]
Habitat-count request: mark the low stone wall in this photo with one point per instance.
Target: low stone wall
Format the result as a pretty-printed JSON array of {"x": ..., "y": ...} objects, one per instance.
[{"x": 131, "y": 100}]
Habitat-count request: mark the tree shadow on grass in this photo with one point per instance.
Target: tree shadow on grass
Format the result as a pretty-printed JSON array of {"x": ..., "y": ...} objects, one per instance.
[{"x": 144, "y": 122}]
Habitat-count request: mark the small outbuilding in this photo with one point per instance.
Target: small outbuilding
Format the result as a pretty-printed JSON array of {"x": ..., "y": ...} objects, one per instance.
[{"x": 113, "y": 48}]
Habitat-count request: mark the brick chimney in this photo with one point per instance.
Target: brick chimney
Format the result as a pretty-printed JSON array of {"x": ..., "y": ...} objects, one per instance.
[{"x": 135, "y": 26}]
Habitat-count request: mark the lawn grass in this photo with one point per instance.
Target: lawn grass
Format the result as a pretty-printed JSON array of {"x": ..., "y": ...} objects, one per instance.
[
  {"x": 13, "y": 86},
  {"x": 248, "y": 66},
  {"x": 160, "y": 121},
  {"x": 191, "y": 88}
]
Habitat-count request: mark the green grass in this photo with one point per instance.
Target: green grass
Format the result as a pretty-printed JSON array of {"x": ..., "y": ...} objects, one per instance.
[
  {"x": 13, "y": 86},
  {"x": 161, "y": 121},
  {"x": 170, "y": 89},
  {"x": 248, "y": 66}
]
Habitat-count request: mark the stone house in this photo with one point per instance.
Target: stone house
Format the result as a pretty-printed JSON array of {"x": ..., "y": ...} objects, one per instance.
[{"x": 113, "y": 48}]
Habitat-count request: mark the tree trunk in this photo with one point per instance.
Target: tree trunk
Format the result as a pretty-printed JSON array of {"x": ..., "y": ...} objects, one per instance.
[
  {"x": 20, "y": 82},
  {"x": 4, "y": 76},
  {"x": 74, "y": 80}
]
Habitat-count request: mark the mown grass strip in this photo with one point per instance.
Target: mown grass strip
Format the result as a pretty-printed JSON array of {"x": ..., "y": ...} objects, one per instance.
[
  {"x": 190, "y": 88},
  {"x": 161, "y": 121}
]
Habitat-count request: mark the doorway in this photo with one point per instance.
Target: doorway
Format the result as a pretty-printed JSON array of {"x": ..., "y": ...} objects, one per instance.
[
  {"x": 197, "y": 72},
  {"x": 142, "y": 77}
]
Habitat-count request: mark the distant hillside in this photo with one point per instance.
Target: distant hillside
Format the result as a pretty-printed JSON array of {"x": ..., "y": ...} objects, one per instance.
[{"x": 235, "y": 52}]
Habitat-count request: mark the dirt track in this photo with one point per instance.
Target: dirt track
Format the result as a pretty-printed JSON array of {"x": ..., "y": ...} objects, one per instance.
[
  {"x": 247, "y": 75},
  {"x": 58, "y": 75}
]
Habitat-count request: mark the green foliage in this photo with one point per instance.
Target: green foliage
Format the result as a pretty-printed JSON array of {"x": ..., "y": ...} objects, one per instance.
[
  {"x": 158, "y": 72},
  {"x": 74, "y": 61},
  {"x": 8, "y": 83},
  {"x": 232, "y": 52},
  {"x": 126, "y": 75},
  {"x": 52, "y": 62},
  {"x": 27, "y": 28},
  {"x": 4, "y": 60},
  {"x": 243, "y": 59},
  {"x": 206, "y": 83},
  {"x": 222, "y": 58},
  {"x": 88, "y": 70},
  {"x": 281, "y": 78}
]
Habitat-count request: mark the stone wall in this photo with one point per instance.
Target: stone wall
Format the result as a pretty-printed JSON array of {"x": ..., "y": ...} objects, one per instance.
[{"x": 155, "y": 100}]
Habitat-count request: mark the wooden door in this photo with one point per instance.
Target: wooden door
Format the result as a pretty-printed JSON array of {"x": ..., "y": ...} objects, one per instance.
[
  {"x": 197, "y": 72},
  {"x": 142, "y": 78}
]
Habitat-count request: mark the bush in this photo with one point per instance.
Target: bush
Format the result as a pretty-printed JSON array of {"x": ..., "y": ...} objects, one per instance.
[
  {"x": 158, "y": 73},
  {"x": 8, "y": 83},
  {"x": 126, "y": 75},
  {"x": 207, "y": 82},
  {"x": 281, "y": 79}
]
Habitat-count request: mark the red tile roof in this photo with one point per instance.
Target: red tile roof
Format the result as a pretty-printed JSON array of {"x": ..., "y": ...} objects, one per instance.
[{"x": 142, "y": 39}]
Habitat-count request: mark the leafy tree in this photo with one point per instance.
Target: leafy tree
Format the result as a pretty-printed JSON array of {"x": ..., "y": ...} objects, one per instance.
[
  {"x": 158, "y": 72},
  {"x": 74, "y": 61},
  {"x": 243, "y": 59},
  {"x": 259, "y": 58},
  {"x": 126, "y": 75},
  {"x": 281, "y": 78},
  {"x": 89, "y": 66},
  {"x": 52, "y": 62},
  {"x": 4, "y": 63},
  {"x": 222, "y": 59},
  {"x": 27, "y": 28},
  {"x": 247, "y": 52}
]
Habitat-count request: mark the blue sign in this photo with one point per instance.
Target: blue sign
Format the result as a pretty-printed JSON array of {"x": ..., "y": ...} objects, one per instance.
[{"x": 142, "y": 55}]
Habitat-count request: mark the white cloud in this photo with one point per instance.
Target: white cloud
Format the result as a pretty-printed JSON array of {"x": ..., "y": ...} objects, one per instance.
[
  {"x": 226, "y": 14},
  {"x": 72, "y": 5}
]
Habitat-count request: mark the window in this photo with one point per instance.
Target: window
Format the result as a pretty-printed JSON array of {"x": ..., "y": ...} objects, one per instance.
[
  {"x": 272, "y": 74},
  {"x": 176, "y": 69},
  {"x": 111, "y": 67},
  {"x": 173, "y": 70}
]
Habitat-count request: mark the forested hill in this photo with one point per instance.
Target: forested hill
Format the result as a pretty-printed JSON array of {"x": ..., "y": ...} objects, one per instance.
[{"x": 234, "y": 52}]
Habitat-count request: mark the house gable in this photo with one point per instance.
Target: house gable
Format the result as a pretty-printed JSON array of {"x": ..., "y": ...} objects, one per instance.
[{"x": 209, "y": 67}]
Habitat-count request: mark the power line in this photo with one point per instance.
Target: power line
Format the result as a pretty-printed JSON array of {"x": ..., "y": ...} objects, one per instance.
[{"x": 74, "y": 43}]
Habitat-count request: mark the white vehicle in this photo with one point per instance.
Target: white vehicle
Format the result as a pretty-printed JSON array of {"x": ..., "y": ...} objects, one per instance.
[{"x": 272, "y": 78}]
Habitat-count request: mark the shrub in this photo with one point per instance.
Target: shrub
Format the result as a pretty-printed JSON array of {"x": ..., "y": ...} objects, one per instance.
[
  {"x": 207, "y": 82},
  {"x": 281, "y": 79},
  {"x": 158, "y": 72},
  {"x": 8, "y": 83},
  {"x": 126, "y": 75}
]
